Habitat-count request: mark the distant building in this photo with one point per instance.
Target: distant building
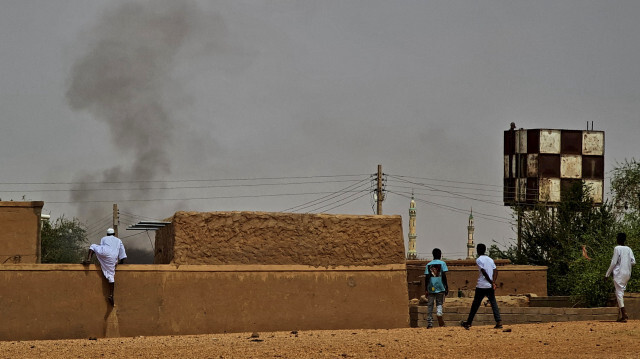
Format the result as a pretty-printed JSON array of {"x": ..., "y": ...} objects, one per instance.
[
  {"x": 470, "y": 229},
  {"x": 412, "y": 254},
  {"x": 20, "y": 236}
]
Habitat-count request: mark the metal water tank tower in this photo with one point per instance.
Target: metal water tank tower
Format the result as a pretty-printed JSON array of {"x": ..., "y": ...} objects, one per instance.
[{"x": 539, "y": 164}]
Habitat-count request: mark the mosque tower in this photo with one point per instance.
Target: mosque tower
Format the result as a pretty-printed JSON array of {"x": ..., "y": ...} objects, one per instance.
[
  {"x": 470, "y": 229},
  {"x": 412, "y": 254}
]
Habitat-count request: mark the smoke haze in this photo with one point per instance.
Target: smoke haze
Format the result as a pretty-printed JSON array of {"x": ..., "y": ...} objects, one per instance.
[
  {"x": 129, "y": 90},
  {"x": 125, "y": 81}
]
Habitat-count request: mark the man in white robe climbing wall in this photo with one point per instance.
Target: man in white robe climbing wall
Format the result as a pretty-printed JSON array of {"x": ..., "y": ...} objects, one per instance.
[
  {"x": 621, "y": 264},
  {"x": 110, "y": 252}
]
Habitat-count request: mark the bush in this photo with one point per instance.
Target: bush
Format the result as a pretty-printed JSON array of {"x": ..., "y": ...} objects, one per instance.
[{"x": 63, "y": 242}]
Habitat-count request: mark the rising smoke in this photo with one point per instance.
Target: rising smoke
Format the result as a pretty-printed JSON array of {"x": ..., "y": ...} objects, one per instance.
[{"x": 124, "y": 79}]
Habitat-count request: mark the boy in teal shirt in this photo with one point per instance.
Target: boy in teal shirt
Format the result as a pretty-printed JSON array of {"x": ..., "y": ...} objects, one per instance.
[{"x": 436, "y": 286}]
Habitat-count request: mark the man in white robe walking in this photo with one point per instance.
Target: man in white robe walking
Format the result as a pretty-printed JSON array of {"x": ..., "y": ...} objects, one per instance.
[
  {"x": 110, "y": 252},
  {"x": 621, "y": 264}
]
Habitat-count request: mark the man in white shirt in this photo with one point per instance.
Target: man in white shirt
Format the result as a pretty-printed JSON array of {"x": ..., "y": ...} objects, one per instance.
[
  {"x": 621, "y": 264},
  {"x": 488, "y": 273},
  {"x": 109, "y": 252}
]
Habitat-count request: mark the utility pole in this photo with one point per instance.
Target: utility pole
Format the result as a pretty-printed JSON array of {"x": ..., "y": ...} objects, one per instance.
[
  {"x": 379, "y": 195},
  {"x": 116, "y": 219}
]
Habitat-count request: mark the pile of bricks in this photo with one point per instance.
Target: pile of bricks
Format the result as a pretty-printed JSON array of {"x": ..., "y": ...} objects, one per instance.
[{"x": 513, "y": 315}]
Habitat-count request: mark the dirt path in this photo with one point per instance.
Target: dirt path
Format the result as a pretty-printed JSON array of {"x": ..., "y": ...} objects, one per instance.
[{"x": 548, "y": 340}]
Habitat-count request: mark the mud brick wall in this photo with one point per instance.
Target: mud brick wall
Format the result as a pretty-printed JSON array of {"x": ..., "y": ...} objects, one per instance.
[
  {"x": 227, "y": 272},
  {"x": 512, "y": 279},
  {"x": 463, "y": 275},
  {"x": 59, "y": 301},
  {"x": 513, "y": 315},
  {"x": 280, "y": 238},
  {"x": 20, "y": 234}
]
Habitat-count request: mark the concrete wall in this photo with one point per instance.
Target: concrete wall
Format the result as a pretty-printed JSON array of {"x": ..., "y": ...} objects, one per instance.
[
  {"x": 54, "y": 301},
  {"x": 280, "y": 238},
  {"x": 20, "y": 234}
]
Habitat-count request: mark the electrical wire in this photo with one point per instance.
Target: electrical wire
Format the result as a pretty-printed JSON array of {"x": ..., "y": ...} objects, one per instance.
[
  {"x": 129, "y": 236},
  {"x": 445, "y": 196},
  {"x": 175, "y": 187},
  {"x": 446, "y": 180},
  {"x": 365, "y": 191},
  {"x": 458, "y": 210},
  {"x": 372, "y": 189},
  {"x": 191, "y": 198},
  {"x": 482, "y": 191},
  {"x": 99, "y": 221},
  {"x": 340, "y": 205},
  {"x": 390, "y": 183},
  {"x": 152, "y": 246},
  {"x": 183, "y": 180},
  {"x": 325, "y": 198},
  {"x": 140, "y": 216},
  {"x": 449, "y": 192}
]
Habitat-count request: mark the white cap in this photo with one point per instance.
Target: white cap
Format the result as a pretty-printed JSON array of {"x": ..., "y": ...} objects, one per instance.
[{"x": 111, "y": 231}]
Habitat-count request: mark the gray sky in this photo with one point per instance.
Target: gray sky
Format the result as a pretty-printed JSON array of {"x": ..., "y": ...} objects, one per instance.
[{"x": 154, "y": 93}]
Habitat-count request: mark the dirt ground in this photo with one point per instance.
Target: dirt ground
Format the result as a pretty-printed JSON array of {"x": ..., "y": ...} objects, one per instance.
[
  {"x": 521, "y": 300},
  {"x": 547, "y": 340}
]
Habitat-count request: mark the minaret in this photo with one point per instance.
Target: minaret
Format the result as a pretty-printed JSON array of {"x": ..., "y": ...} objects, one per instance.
[
  {"x": 412, "y": 254},
  {"x": 470, "y": 229}
]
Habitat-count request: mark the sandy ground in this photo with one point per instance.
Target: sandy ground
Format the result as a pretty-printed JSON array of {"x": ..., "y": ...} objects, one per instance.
[
  {"x": 503, "y": 301},
  {"x": 548, "y": 340}
]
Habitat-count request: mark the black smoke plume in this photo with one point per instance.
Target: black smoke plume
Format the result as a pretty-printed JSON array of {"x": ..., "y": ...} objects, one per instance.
[{"x": 124, "y": 79}]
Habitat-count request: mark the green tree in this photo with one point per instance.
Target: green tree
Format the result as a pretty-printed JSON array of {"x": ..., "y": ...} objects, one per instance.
[
  {"x": 625, "y": 188},
  {"x": 560, "y": 237},
  {"x": 64, "y": 241},
  {"x": 557, "y": 237}
]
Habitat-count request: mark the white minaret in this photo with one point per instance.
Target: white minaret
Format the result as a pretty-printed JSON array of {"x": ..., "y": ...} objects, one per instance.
[
  {"x": 412, "y": 254},
  {"x": 470, "y": 229}
]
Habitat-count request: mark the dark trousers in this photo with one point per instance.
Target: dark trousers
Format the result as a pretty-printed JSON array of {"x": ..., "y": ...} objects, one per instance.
[{"x": 477, "y": 300}]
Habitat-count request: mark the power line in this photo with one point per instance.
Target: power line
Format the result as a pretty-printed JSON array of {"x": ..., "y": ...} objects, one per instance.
[
  {"x": 459, "y": 210},
  {"x": 340, "y": 205},
  {"x": 139, "y": 216},
  {"x": 150, "y": 242},
  {"x": 366, "y": 191},
  {"x": 373, "y": 188},
  {"x": 131, "y": 235},
  {"x": 436, "y": 195},
  {"x": 128, "y": 222},
  {"x": 183, "y": 180},
  {"x": 446, "y": 180},
  {"x": 192, "y": 198},
  {"x": 325, "y": 198},
  {"x": 99, "y": 222},
  {"x": 507, "y": 188},
  {"x": 449, "y": 192},
  {"x": 174, "y": 187},
  {"x": 446, "y": 186}
]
